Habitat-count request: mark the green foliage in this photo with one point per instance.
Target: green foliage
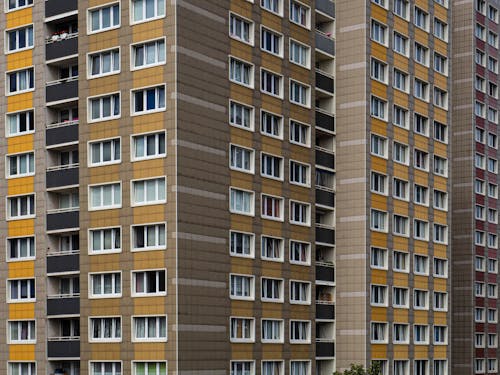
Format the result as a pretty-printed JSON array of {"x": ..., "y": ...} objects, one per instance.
[{"x": 374, "y": 369}]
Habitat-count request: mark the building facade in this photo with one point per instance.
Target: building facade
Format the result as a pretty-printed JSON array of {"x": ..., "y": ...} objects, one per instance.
[{"x": 475, "y": 188}]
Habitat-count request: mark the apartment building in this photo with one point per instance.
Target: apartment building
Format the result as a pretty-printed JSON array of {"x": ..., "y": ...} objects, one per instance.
[
  {"x": 392, "y": 229},
  {"x": 475, "y": 188},
  {"x": 169, "y": 187}
]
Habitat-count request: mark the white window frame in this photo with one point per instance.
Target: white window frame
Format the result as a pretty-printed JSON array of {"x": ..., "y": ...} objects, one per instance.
[
  {"x": 30, "y": 122},
  {"x": 157, "y": 154},
  {"x": 155, "y": 17},
  {"x": 113, "y": 230},
  {"x": 158, "y": 318},
  {"x": 252, "y": 202},
  {"x": 105, "y": 207},
  {"x": 112, "y": 115},
  {"x": 114, "y": 294},
  {"x": 113, "y": 147},
  {"x": 30, "y": 248},
  {"x": 251, "y": 32},
  {"x": 29, "y": 70},
  {"x": 104, "y": 339},
  {"x": 15, "y": 157},
  {"x": 251, "y": 244},
  {"x": 157, "y": 271},
  {"x": 157, "y": 246},
  {"x": 157, "y": 199},
  {"x": 111, "y": 51},
  {"x": 158, "y": 58},
  {"x": 16, "y": 30},
  {"x": 158, "y": 102},
  {"x": 98, "y": 9}
]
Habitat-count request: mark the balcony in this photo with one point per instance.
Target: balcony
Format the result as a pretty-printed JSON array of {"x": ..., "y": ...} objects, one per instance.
[
  {"x": 63, "y": 262},
  {"x": 62, "y": 175},
  {"x": 325, "y": 120},
  {"x": 63, "y": 347},
  {"x": 325, "y": 43},
  {"x": 326, "y": 6},
  {"x": 324, "y": 81},
  {"x": 325, "y": 235},
  {"x": 325, "y": 273},
  {"x": 56, "y": 7},
  {"x": 325, "y": 198},
  {"x": 63, "y": 219},
  {"x": 324, "y": 158},
  {"x": 325, "y": 349},
  {"x": 325, "y": 311},
  {"x": 63, "y": 305},
  {"x": 61, "y": 47},
  {"x": 60, "y": 133},
  {"x": 62, "y": 89}
]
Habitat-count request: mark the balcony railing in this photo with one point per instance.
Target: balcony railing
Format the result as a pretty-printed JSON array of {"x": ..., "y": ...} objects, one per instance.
[{"x": 61, "y": 124}]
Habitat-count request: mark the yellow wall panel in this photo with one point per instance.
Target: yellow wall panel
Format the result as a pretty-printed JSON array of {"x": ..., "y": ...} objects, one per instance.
[
  {"x": 22, "y": 352},
  {"x": 19, "y": 18},
  {"x": 19, "y": 311},
  {"x": 19, "y": 102},
  {"x": 20, "y": 60},
  {"x": 21, "y": 227}
]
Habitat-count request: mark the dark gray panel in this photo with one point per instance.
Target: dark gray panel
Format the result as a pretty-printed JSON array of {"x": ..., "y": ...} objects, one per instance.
[
  {"x": 325, "y": 273},
  {"x": 62, "y": 177},
  {"x": 325, "y": 198},
  {"x": 325, "y": 44},
  {"x": 326, "y": 6},
  {"x": 62, "y": 91},
  {"x": 63, "y": 306},
  {"x": 63, "y": 263},
  {"x": 324, "y": 82},
  {"x": 325, "y": 121},
  {"x": 324, "y": 235},
  {"x": 54, "y": 7},
  {"x": 63, "y": 349},
  {"x": 325, "y": 311},
  {"x": 63, "y": 220},
  {"x": 325, "y": 159},
  {"x": 325, "y": 349},
  {"x": 62, "y": 48},
  {"x": 62, "y": 134}
]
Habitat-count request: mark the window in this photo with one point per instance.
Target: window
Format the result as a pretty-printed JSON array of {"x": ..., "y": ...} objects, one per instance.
[
  {"x": 299, "y": 173},
  {"x": 421, "y": 19},
  {"x": 149, "y": 283},
  {"x": 401, "y": 367},
  {"x": 242, "y": 244},
  {"x": 149, "y": 237},
  {"x": 421, "y": 195},
  {"x": 493, "y": 13},
  {"x": 20, "y": 123},
  {"x": 440, "y": 301},
  {"x": 20, "y": 207},
  {"x": 479, "y": 58},
  {"x": 479, "y": 238},
  {"x": 380, "y": 2},
  {"x": 440, "y": 267},
  {"x": 421, "y": 160},
  {"x": 21, "y": 248},
  {"x": 492, "y": 340},
  {"x": 105, "y": 329},
  {"x": 150, "y": 191},
  {"x": 479, "y": 314},
  {"x": 272, "y": 248},
  {"x": 149, "y": 368},
  {"x": 401, "y": 153},
  {"x": 242, "y": 329},
  {"x": 242, "y": 287},
  {"x": 241, "y": 29},
  {"x": 479, "y": 109},
  {"x": 241, "y": 159},
  {"x": 440, "y": 335},
  {"x": 492, "y": 265},
  {"x": 493, "y": 90},
  {"x": 492, "y": 39},
  {"x": 20, "y": 81},
  {"x": 440, "y": 29},
  {"x": 241, "y": 115},
  {"x": 103, "y": 63},
  {"x": 274, "y": 6},
  {"x": 378, "y": 108},
  {"x": 147, "y": 10},
  {"x": 401, "y": 261},
  {"x": 440, "y": 166},
  {"x": 272, "y": 290},
  {"x": 300, "y": 54},
  {"x": 492, "y": 365},
  {"x": 401, "y": 44},
  {"x": 149, "y": 328},
  {"x": 240, "y": 72},
  {"x": 300, "y": 213},
  {"x": 492, "y": 115},
  {"x": 299, "y": 133},
  {"x": 105, "y": 285},
  {"x": 299, "y": 93},
  {"x": 272, "y": 367},
  {"x": 421, "y": 265},
  {"x": 401, "y": 334},
  {"x": 421, "y": 125},
  {"x": 400, "y": 297},
  {"x": 479, "y": 161},
  {"x": 378, "y": 146},
  {"x": 271, "y": 83},
  {"x": 300, "y": 253},
  {"x": 492, "y": 291},
  {"x": 421, "y": 367},
  {"x": 400, "y": 8},
  {"x": 300, "y": 292},
  {"x": 272, "y": 166},
  {"x": 21, "y": 290},
  {"x": 421, "y": 299},
  {"x": 104, "y": 108},
  {"x": 242, "y": 368},
  {"x": 378, "y": 221},
  {"x": 440, "y": 200},
  {"x": 106, "y": 240},
  {"x": 148, "y": 146},
  {"x": 440, "y": 132},
  {"x": 105, "y": 18},
  {"x": 271, "y": 41},
  {"x": 241, "y": 202},
  {"x": 271, "y": 124},
  {"x": 401, "y": 80},
  {"x": 400, "y": 189},
  {"x": 440, "y": 98},
  {"x": 272, "y": 331},
  {"x": 104, "y": 152},
  {"x": 299, "y": 14},
  {"x": 378, "y": 295},
  {"x": 492, "y": 140},
  {"x": 148, "y": 54},
  {"x": 492, "y": 315},
  {"x": 22, "y": 332},
  {"x": 21, "y": 165},
  {"x": 14, "y": 5},
  {"x": 379, "y": 32},
  {"x": 492, "y": 64},
  {"x": 440, "y": 63},
  {"x": 492, "y": 241},
  {"x": 479, "y": 135},
  {"x": 492, "y": 165},
  {"x": 104, "y": 197},
  {"x": 492, "y": 215},
  {"x": 22, "y": 368},
  {"x": 420, "y": 334},
  {"x": 378, "y": 258},
  {"x": 378, "y": 183},
  {"x": 481, "y": 6},
  {"x": 492, "y": 190},
  {"x": 480, "y": 84},
  {"x": 148, "y": 100},
  {"x": 379, "y": 70},
  {"x": 420, "y": 230},
  {"x": 19, "y": 39},
  {"x": 480, "y": 31},
  {"x": 479, "y": 263},
  {"x": 479, "y": 365},
  {"x": 300, "y": 331},
  {"x": 400, "y": 117},
  {"x": 300, "y": 367},
  {"x": 378, "y": 333},
  {"x": 421, "y": 90},
  {"x": 401, "y": 226}
]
